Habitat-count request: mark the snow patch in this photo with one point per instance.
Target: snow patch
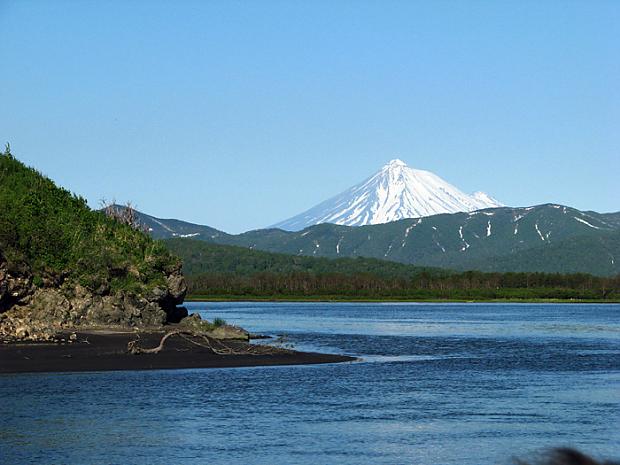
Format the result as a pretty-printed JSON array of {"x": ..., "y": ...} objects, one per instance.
[
  {"x": 440, "y": 246},
  {"x": 186, "y": 235},
  {"x": 465, "y": 244},
  {"x": 388, "y": 250},
  {"x": 542, "y": 238},
  {"x": 409, "y": 229},
  {"x": 338, "y": 244},
  {"x": 586, "y": 223}
]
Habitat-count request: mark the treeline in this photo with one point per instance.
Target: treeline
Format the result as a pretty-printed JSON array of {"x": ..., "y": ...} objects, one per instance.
[
  {"x": 214, "y": 270},
  {"x": 469, "y": 285}
]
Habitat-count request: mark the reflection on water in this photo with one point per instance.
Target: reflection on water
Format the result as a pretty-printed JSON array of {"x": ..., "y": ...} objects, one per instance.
[{"x": 437, "y": 384}]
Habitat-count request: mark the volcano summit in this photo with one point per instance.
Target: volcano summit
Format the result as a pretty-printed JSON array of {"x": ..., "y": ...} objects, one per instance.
[{"x": 395, "y": 192}]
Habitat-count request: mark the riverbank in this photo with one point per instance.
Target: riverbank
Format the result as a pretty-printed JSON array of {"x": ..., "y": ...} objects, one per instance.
[
  {"x": 336, "y": 298},
  {"x": 105, "y": 350}
]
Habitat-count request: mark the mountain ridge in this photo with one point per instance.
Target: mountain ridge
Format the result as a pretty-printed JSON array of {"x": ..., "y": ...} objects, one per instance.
[{"x": 498, "y": 239}]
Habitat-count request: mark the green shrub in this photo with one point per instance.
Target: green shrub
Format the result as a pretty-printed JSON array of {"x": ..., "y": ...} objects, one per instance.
[{"x": 52, "y": 231}]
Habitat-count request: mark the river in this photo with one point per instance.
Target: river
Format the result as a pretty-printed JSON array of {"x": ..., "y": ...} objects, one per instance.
[{"x": 466, "y": 384}]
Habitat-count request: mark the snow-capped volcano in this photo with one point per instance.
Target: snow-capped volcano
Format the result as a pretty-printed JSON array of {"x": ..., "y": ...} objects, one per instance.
[{"x": 393, "y": 193}]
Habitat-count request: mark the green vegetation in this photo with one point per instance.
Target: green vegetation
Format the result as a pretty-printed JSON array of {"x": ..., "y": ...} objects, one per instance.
[
  {"x": 203, "y": 257},
  {"x": 422, "y": 286},
  {"x": 546, "y": 238},
  {"x": 51, "y": 234},
  {"x": 227, "y": 272},
  {"x": 56, "y": 237}
]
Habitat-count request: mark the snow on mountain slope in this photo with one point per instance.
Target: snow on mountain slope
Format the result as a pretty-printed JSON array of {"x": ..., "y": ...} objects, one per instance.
[
  {"x": 393, "y": 193},
  {"x": 486, "y": 199}
]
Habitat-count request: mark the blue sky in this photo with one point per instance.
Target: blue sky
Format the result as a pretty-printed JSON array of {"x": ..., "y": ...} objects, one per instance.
[{"x": 240, "y": 114}]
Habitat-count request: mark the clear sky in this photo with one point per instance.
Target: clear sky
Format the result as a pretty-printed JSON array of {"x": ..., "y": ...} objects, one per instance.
[{"x": 240, "y": 114}]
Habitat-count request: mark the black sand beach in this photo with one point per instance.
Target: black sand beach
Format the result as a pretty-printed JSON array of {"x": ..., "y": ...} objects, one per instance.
[{"x": 107, "y": 350}]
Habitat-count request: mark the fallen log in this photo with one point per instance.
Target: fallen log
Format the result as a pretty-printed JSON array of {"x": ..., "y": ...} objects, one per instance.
[{"x": 216, "y": 346}]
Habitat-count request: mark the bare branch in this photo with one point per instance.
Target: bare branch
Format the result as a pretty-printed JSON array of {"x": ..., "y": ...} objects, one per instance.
[{"x": 216, "y": 346}]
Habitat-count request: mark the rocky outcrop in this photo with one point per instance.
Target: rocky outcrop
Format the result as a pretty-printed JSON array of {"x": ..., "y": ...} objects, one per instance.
[
  {"x": 37, "y": 312},
  {"x": 221, "y": 332},
  {"x": 229, "y": 332}
]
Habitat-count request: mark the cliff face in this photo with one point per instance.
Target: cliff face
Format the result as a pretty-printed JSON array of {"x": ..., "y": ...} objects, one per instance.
[
  {"x": 63, "y": 265},
  {"x": 30, "y": 312}
]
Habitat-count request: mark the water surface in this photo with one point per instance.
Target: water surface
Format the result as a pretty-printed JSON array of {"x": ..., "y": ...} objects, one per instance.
[{"x": 463, "y": 384}]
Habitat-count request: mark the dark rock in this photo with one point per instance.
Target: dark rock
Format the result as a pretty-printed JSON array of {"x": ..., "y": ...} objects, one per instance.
[
  {"x": 176, "y": 314},
  {"x": 15, "y": 284}
]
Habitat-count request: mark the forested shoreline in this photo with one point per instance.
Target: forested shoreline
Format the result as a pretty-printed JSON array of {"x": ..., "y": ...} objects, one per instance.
[
  {"x": 236, "y": 273},
  {"x": 425, "y": 285}
]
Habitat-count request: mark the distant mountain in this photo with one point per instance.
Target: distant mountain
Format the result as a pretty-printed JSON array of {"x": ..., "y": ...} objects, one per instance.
[
  {"x": 551, "y": 238},
  {"x": 395, "y": 192},
  {"x": 160, "y": 228},
  {"x": 500, "y": 239}
]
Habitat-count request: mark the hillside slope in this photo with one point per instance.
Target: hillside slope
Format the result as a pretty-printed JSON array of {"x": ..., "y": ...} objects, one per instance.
[
  {"x": 202, "y": 257},
  {"x": 498, "y": 239},
  {"x": 62, "y": 264},
  {"x": 572, "y": 255},
  {"x": 506, "y": 239}
]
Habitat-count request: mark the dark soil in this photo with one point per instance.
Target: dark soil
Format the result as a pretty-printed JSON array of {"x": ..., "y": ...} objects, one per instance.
[{"x": 104, "y": 350}]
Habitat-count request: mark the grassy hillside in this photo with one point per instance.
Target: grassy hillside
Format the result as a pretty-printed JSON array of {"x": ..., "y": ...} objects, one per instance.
[{"x": 53, "y": 235}]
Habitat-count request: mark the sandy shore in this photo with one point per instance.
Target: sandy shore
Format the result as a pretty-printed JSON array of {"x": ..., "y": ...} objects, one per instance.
[{"x": 107, "y": 350}]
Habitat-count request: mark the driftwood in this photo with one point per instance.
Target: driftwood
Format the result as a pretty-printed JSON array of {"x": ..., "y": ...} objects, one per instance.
[{"x": 216, "y": 346}]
